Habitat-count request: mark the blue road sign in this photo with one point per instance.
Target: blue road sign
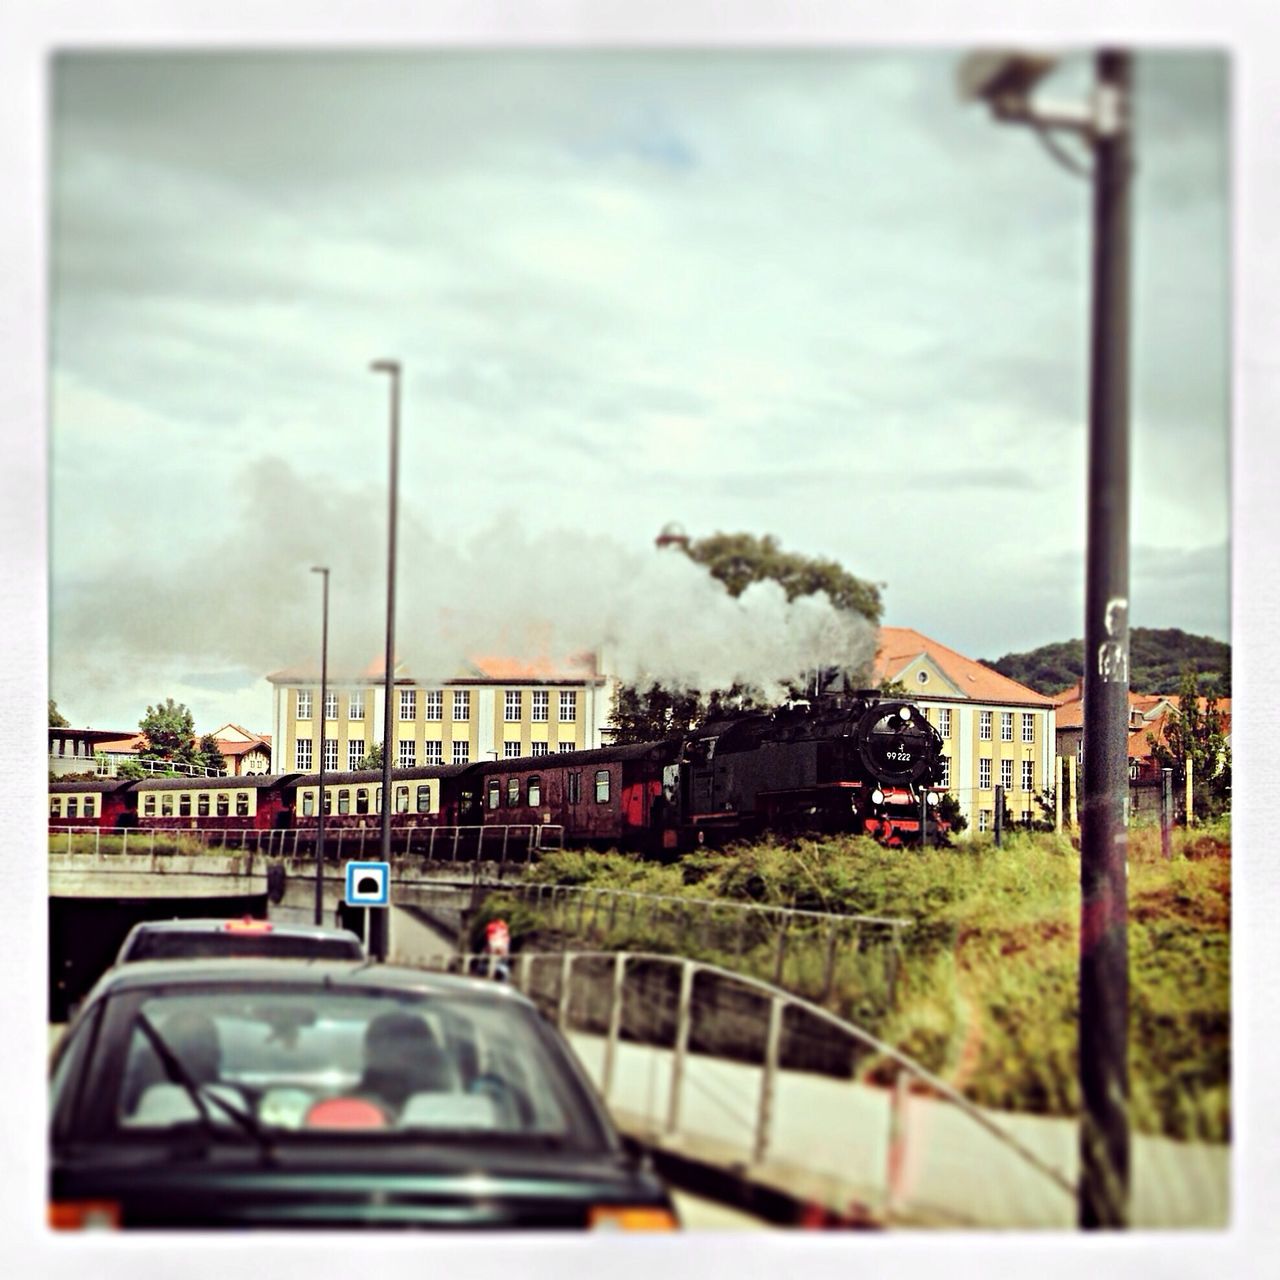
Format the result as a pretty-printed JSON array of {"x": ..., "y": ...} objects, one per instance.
[{"x": 368, "y": 884}]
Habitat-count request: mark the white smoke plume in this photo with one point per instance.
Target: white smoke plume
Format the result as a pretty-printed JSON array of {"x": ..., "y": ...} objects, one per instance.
[{"x": 247, "y": 600}]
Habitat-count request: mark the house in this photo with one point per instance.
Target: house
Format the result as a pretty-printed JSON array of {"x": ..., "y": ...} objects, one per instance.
[
  {"x": 996, "y": 732},
  {"x": 77, "y": 750},
  {"x": 244, "y": 752},
  {"x": 493, "y": 707}
]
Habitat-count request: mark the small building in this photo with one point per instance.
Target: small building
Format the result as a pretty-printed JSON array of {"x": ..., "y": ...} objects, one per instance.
[
  {"x": 245, "y": 752},
  {"x": 78, "y": 750}
]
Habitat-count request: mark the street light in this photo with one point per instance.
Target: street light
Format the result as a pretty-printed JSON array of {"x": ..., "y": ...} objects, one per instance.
[
  {"x": 324, "y": 696},
  {"x": 1005, "y": 81},
  {"x": 377, "y": 918}
]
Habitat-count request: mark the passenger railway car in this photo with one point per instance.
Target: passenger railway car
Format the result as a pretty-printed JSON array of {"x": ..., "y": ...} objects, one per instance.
[
  {"x": 101, "y": 802},
  {"x": 251, "y": 802}
]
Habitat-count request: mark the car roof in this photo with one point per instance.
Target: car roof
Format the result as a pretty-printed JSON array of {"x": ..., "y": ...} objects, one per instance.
[
  {"x": 219, "y": 925},
  {"x": 364, "y": 975}
]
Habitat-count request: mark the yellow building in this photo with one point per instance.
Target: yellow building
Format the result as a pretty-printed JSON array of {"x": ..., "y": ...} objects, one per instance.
[
  {"x": 995, "y": 731},
  {"x": 496, "y": 708}
]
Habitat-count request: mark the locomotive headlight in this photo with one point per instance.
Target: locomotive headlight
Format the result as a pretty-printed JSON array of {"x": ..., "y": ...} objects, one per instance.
[
  {"x": 904, "y": 713},
  {"x": 932, "y": 798},
  {"x": 877, "y": 796}
]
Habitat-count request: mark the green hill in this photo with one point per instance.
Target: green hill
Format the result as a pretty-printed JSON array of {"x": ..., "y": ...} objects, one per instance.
[{"x": 1156, "y": 660}]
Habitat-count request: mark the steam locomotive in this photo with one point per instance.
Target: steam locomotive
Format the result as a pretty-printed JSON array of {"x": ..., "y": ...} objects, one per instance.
[{"x": 862, "y": 764}]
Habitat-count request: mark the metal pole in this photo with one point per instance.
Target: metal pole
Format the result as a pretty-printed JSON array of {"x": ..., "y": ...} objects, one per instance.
[
  {"x": 1104, "y": 958},
  {"x": 377, "y": 925},
  {"x": 768, "y": 1078},
  {"x": 683, "y": 1012},
  {"x": 566, "y": 972},
  {"x": 615, "y": 1024},
  {"x": 999, "y": 813},
  {"x": 1166, "y": 813},
  {"x": 324, "y": 693}
]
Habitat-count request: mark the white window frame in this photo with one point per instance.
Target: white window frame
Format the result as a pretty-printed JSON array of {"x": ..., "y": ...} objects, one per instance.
[
  {"x": 538, "y": 748},
  {"x": 433, "y": 705},
  {"x": 984, "y": 819},
  {"x": 1006, "y": 774},
  {"x": 302, "y": 754},
  {"x": 407, "y": 754},
  {"x": 355, "y": 752},
  {"x": 461, "y": 705},
  {"x": 1006, "y": 726},
  {"x": 569, "y": 704},
  {"x": 1028, "y": 775},
  {"x": 564, "y": 747},
  {"x": 1028, "y": 726},
  {"x": 409, "y": 703},
  {"x": 331, "y": 755},
  {"x": 433, "y": 751},
  {"x": 331, "y": 704},
  {"x": 512, "y": 705},
  {"x": 512, "y": 750},
  {"x": 540, "y": 706},
  {"x": 944, "y": 721},
  {"x": 984, "y": 773},
  {"x": 461, "y": 751},
  {"x": 984, "y": 726},
  {"x": 946, "y": 771},
  {"x": 355, "y": 704},
  {"x": 303, "y": 709}
]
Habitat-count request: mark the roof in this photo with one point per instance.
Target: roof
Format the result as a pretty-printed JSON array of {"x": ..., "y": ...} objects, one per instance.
[
  {"x": 237, "y": 748},
  {"x": 332, "y": 974},
  {"x": 901, "y": 646},
  {"x": 218, "y": 924},
  {"x": 580, "y": 666},
  {"x": 90, "y": 735},
  {"x": 134, "y": 742},
  {"x": 1157, "y": 726},
  {"x": 338, "y": 777},
  {"x": 223, "y": 782}
]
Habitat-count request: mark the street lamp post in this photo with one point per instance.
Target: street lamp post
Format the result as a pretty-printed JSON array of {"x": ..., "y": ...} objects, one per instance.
[
  {"x": 324, "y": 698},
  {"x": 1005, "y": 82},
  {"x": 377, "y": 919}
]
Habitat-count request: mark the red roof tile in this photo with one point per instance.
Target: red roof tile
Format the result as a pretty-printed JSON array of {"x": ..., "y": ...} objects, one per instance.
[{"x": 900, "y": 646}]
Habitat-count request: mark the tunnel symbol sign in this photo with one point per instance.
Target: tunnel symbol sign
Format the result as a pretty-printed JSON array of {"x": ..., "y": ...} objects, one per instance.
[{"x": 368, "y": 884}]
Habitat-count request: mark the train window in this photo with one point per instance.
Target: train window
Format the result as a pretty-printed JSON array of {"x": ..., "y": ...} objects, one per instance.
[
  {"x": 224, "y": 804},
  {"x": 362, "y": 799},
  {"x": 493, "y": 793},
  {"x": 513, "y": 791},
  {"x": 166, "y": 805},
  {"x": 73, "y": 807},
  {"x": 602, "y": 786},
  {"x": 575, "y": 787},
  {"x": 148, "y": 806},
  {"x": 377, "y": 800},
  {"x": 184, "y": 804},
  {"x": 55, "y": 806},
  {"x": 424, "y": 799},
  {"x": 202, "y": 804},
  {"x": 402, "y": 799},
  {"x": 328, "y": 802},
  {"x": 535, "y": 790},
  {"x": 344, "y": 800},
  {"x": 242, "y": 804},
  {"x": 308, "y": 804}
]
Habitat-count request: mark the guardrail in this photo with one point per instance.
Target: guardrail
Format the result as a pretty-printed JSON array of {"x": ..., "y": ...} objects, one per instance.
[
  {"x": 496, "y": 842},
  {"x": 599, "y": 1003}
]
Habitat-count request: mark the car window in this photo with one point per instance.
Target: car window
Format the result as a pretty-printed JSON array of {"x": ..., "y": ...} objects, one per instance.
[
  {"x": 306, "y": 1062},
  {"x": 173, "y": 944}
]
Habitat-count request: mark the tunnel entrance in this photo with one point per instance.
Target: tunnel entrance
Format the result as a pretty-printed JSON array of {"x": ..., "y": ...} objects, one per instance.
[{"x": 85, "y": 934}]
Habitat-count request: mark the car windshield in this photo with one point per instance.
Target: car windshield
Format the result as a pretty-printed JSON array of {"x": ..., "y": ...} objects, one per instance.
[
  {"x": 174, "y": 944},
  {"x": 305, "y": 1062}
]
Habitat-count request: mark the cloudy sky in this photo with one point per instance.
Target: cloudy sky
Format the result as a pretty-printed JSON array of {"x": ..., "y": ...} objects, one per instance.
[{"x": 809, "y": 294}]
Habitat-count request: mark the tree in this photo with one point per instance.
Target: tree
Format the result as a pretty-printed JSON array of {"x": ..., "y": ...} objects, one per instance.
[
  {"x": 1194, "y": 735},
  {"x": 643, "y": 716},
  {"x": 131, "y": 769},
  {"x": 170, "y": 729},
  {"x": 210, "y": 754},
  {"x": 372, "y": 759},
  {"x": 56, "y": 719}
]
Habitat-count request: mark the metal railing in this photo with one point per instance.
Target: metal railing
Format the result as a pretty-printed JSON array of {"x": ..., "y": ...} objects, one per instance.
[
  {"x": 602, "y": 1010},
  {"x": 500, "y": 843}
]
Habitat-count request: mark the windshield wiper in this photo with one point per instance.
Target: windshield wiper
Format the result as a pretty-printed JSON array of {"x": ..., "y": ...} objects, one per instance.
[{"x": 179, "y": 1074}]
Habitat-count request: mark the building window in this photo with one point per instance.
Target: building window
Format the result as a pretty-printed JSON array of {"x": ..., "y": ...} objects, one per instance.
[
  {"x": 513, "y": 792},
  {"x": 184, "y": 805},
  {"x": 242, "y": 804},
  {"x": 538, "y": 748},
  {"x": 402, "y": 799},
  {"x": 304, "y": 754},
  {"x": 73, "y": 807},
  {"x": 202, "y": 805},
  {"x": 562, "y": 747},
  {"x": 355, "y": 705},
  {"x": 433, "y": 751},
  {"x": 328, "y": 801},
  {"x": 568, "y": 705},
  {"x": 344, "y": 799},
  {"x": 944, "y": 721},
  {"x": 1006, "y": 726},
  {"x": 224, "y": 803},
  {"x": 945, "y": 761},
  {"x": 1028, "y": 727},
  {"x": 574, "y": 787},
  {"x": 541, "y": 706},
  {"x": 331, "y": 753},
  {"x": 330, "y": 706},
  {"x": 1006, "y": 774},
  {"x": 461, "y": 705},
  {"x": 984, "y": 725},
  {"x": 355, "y": 753},
  {"x": 535, "y": 790},
  {"x": 984, "y": 819},
  {"x": 1080, "y": 752},
  {"x": 1028, "y": 775},
  {"x": 1026, "y": 817},
  {"x": 494, "y": 793},
  {"x": 408, "y": 704},
  {"x": 434, "y": 704},
  {"x": 304, "y": 704},
  {"x": 408, "y": 754},
  {"x": 424, "y": 798},
  {"x": 511, "y": 750},
  {"x": 362, "y": 799},
  {"x": 461, "y": 752},
  {"x": 308, "y": 804},
  {"x": 166, "y": 805},
  {"x": 984, "y": 773},
  {"x": 602, "y": 786},
  {"x": 55, "y": 807},
  {"x": 511, "y": 704}
]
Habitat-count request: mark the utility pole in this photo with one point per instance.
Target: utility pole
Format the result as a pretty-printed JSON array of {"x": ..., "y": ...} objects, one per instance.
[{"x": 324, "y": 696}]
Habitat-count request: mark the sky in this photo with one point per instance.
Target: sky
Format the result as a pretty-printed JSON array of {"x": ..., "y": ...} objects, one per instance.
[{"x": 806, "y": 293}]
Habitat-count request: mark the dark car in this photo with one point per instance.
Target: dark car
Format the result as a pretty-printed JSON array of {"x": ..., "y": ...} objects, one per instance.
[
  {"x": 191, "y": 939},
  {"x": 286, "y": 1094}
]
